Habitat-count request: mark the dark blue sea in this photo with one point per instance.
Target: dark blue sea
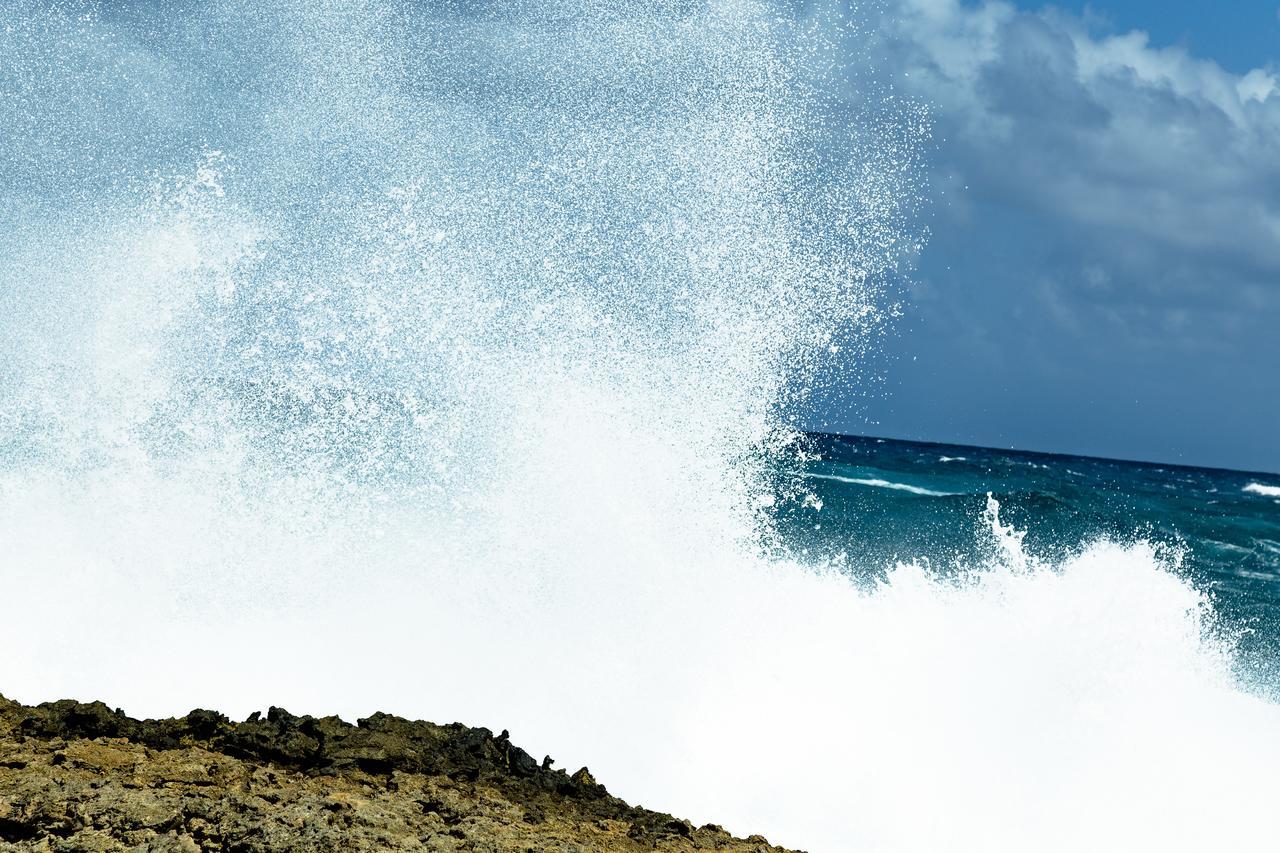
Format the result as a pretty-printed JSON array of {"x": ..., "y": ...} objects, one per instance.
[{"x": 886, "y": 501}]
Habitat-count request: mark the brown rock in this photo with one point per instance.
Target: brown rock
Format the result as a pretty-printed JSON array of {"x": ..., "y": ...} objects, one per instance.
[{"x": 77, "y": 776}]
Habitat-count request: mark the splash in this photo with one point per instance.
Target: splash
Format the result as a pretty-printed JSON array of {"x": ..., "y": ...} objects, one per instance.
[{"x": 431, "y": 358}]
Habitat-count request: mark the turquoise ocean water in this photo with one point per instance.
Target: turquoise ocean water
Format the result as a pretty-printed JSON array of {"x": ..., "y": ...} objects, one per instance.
[{"x": 886, "y": 501}]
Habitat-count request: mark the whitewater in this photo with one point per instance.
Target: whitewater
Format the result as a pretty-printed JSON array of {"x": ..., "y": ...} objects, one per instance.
[{"x": 442, "y": 359}]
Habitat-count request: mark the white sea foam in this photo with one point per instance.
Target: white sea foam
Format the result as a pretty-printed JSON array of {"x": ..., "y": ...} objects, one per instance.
[
  {"x": 925, "y": 715},
  {"x": 1263, "y": 489},
  {"x": 442, "y": 391},
  {"x": 951, "y": 459},
  {"x": 879, "y": 484}
]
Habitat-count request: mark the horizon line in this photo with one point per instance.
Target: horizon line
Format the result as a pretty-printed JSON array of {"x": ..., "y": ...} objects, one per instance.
[{"x": 1150, "y": 462}]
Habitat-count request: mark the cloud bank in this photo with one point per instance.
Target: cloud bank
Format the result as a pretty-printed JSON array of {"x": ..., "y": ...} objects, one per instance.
[{"x": 1104, "y": 274}]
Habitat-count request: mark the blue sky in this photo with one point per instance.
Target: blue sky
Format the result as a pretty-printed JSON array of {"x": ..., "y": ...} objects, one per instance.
[
  {"x": 1239, "y": 35},
  {"x": 1103, "y": 271}
]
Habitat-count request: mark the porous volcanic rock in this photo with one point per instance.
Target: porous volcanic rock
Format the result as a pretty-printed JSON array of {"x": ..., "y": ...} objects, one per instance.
[{"x": 76, "y": 776}]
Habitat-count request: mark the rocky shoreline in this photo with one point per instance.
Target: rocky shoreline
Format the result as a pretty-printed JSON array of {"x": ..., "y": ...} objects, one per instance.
[{"x": 77, "y": 776}]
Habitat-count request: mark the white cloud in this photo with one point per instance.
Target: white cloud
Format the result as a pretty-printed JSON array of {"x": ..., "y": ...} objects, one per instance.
[
  {"x": 1102, "y": 132},
  {"x": 1258, "y": 85},
  {"x": 1106, "y": 217}
]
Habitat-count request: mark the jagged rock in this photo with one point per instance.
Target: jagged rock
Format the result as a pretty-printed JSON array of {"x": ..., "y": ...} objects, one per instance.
[{"x": 81, "y": 776}]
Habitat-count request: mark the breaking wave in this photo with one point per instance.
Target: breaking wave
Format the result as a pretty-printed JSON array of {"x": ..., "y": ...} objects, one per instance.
[
  {"x": 431, "y": 358},
  {"x": 880, "y": 484}
]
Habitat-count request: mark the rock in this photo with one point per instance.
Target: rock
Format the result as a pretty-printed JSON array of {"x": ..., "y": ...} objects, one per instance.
[
  {"x": 205, "y": 724},
  {"x": 81, "y": 776}
]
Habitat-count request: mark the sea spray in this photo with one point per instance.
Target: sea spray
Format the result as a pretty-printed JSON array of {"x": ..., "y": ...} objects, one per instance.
[{"x": 429, "y": 358}]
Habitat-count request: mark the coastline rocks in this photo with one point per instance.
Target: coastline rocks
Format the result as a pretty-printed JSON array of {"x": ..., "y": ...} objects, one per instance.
[{"x": 81, "y": 776}]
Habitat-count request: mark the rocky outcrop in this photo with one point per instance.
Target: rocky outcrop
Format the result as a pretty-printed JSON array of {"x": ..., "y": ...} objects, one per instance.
[{"x": 77, "y": 776}]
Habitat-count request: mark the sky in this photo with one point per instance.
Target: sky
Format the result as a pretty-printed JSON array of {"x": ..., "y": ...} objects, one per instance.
[{"x": 1102, "y": 274}]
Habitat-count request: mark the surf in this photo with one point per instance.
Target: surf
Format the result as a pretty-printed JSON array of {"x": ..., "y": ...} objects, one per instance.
[
  {"x": 438, "y": 359},
  {"x": 878, "y": 483}
]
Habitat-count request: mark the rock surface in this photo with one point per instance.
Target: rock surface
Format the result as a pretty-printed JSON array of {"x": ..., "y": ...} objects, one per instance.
[{"x": 77, "y": 776}]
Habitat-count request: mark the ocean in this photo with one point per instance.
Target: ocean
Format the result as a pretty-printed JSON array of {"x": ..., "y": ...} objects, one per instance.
[
  {"x": 446, "y": 359},
  {"x": 884, "y": 501}
]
